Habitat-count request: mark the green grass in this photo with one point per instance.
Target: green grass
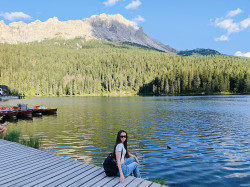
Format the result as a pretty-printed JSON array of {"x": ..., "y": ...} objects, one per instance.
[
  {"x": 15, "y": 136},
  {"x": 34, "y": 142},
  {"x": 158, "y": 180}
]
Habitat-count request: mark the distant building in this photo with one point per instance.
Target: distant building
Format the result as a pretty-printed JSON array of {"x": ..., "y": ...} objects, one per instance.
[{"x": 4, "y": 90}]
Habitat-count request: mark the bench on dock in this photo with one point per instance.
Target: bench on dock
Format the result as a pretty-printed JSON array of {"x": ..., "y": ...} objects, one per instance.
[{"x": 26, "y": 166}]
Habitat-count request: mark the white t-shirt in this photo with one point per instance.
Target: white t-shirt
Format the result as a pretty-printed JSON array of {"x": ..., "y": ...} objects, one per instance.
[{"x": 119, "y": 147}]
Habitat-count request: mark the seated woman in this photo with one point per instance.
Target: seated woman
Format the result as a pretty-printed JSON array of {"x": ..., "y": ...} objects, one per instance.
[{"x": 126, "y": 162}]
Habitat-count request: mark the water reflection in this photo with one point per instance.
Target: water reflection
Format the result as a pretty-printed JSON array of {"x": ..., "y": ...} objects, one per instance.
[{"x": 209, "y": 136}]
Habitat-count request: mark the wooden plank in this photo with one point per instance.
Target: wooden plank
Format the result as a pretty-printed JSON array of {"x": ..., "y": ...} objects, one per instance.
[
  {"x": 24, "y": 171},
  {"x": 113, "y": 182},
  {"x": 24, "y": 152},
  {"x": 69, "y": 182},
  {"x": 14, "y": 156},
  {"x": 28, "y": 174},
  {"x": 11, "y": 148},
  {"x": 16, "y": 166},
  {"x": 136, "y": 182},
  {"x": 48, "y": 171},
  {"x": 17, "y": 159},
  {"x": 9, "y": 143},
  {"x": 24, "y": 167},
  {"x": 61, "y": 176},
  {"x": 103, "y": 181},
  {"x": 71, "y": 175},
  {"x": 48, "y": 178},
  {"x": 145, "y": 183},
  {"x": 15, "y": 147},
  {"x": 5, "y": 144},
  {"x": 88, "y": 177},
  {"x": 155, "y": 185},
  {"x": 94, "y": 180},
  {"x": 128, "y": 180},
  {"x": 11, "y": 152},
  {"x": 26, "y": 160},
  {"x": 42, "y": 173}
]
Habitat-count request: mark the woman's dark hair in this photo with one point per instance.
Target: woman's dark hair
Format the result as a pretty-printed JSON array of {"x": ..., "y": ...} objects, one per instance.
[{"x": 118, "y": 141}]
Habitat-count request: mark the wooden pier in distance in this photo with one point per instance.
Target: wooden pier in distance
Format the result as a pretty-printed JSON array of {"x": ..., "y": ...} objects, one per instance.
[{"x": 26, "y": 166}]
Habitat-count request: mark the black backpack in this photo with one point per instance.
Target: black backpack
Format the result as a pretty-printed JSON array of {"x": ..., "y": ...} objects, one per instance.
[{"x": 110, "y": 167}]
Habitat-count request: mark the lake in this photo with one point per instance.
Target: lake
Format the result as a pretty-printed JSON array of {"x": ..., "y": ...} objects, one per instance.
[{"x": 209, "y": 136}]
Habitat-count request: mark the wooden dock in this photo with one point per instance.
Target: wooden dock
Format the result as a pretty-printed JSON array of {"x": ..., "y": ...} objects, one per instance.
[{"x": 26, "y": 166}]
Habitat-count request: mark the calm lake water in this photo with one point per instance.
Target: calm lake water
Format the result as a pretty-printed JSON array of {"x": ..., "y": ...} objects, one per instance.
[{"x": 209, "y": 136}]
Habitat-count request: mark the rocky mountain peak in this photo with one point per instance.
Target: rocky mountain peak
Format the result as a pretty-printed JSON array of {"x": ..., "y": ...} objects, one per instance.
[
  {"x": 109, "y": 19},
  {"x": 107, "y": 27},
  {"x": 53, "y": 20},
  {"x": 36, "y": 22},
  {"x": 17, "y": 24},
  {"x": 2, "y": 23},
  {"x": 140, "y": 32}
]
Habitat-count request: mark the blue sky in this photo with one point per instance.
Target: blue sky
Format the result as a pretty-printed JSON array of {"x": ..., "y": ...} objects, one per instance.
[{"x": 223, "y": 25}]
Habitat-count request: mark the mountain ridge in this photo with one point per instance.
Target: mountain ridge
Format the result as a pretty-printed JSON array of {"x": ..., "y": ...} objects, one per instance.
[
  {"x": 113, "y": 28},
  {"x": 198, "y": 51}
]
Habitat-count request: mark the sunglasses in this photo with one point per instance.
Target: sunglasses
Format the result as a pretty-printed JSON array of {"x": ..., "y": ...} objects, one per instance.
[{"x": 123, "y": 136}]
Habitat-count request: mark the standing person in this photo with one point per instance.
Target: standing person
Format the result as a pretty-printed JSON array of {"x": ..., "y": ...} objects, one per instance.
[
  {"x": 126, "y": 162},
  {"x": 3, "y": 129}
]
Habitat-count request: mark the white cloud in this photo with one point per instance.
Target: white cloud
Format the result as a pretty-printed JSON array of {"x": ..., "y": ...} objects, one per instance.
[
  {"x": 222, "y": 38},
  {"x": 239, "y": 53},
  {"x": 134, "y": 4},
  {"x": 14, "y": 15},
  {"x": 138, "y": 19},
  {"x": 233, "y": 13},
  {"x": 245, "y": 23},
  {"x": 110, "y": 2},
  {"x": 230, "y": 25}
]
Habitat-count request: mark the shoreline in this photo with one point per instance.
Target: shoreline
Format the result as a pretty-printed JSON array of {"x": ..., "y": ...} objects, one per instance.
[
  {"x": 6, "y": 98},
  {"x": 136, "y": 95}
]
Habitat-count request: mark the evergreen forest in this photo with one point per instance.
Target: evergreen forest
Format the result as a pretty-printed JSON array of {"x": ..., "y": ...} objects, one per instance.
[{"x": 77, "y": 67}]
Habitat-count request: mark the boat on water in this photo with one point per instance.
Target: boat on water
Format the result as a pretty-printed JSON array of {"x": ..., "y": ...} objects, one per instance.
[
  {"x": 9, "y": 114},
  {"x": 24, "y": 113},
  {"x": 39, "y": 110},
  {"x": 36, "y": 112},
  {"x": 21, "y": 110},
  {"x": 49, "y": 111}
]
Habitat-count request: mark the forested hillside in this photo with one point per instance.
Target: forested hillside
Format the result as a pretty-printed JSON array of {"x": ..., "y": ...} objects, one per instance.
[{"x": 77, "y": 67}]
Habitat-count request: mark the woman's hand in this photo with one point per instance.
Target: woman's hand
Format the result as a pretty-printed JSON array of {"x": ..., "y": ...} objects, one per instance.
[
  {"x": 137, "y": 161},
  {"x": 122, "y": 179}
]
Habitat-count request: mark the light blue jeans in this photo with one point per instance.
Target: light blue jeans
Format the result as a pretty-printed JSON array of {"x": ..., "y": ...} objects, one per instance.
[{"x": 130, "y": 167}]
